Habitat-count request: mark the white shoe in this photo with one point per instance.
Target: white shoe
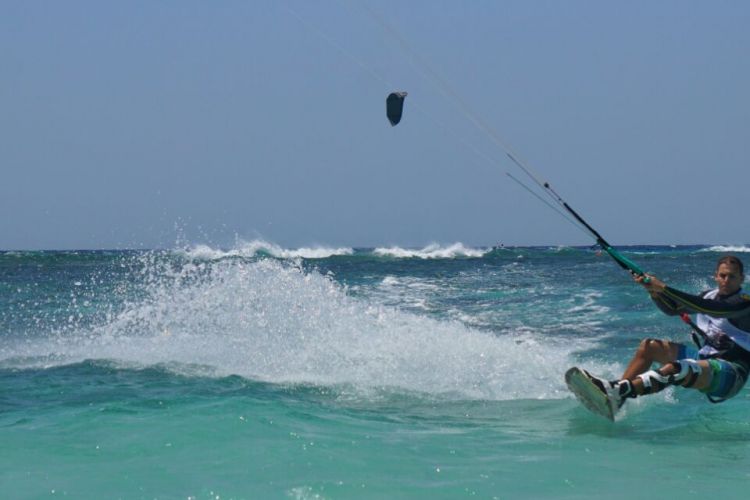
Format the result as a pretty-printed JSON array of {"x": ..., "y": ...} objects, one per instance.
[
  {"x": 615, "y": 399},
  {"x": 611, "y": 390}
]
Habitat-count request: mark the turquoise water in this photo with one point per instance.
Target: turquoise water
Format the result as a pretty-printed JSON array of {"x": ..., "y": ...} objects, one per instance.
[{"x": 260, "y": 372}]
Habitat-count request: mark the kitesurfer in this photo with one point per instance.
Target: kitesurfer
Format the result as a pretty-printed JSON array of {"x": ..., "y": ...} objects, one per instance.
[{"x": 719, "y": 367}]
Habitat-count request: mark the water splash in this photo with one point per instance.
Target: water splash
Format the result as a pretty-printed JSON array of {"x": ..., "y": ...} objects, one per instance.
[{"x": 272, "y": 321}]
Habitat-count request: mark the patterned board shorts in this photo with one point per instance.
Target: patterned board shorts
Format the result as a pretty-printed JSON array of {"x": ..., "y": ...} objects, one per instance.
[{"x": 728, "y": 377}]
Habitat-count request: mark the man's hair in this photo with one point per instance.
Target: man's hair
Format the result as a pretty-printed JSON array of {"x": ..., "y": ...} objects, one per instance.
[{"x": 731, "y": 260}]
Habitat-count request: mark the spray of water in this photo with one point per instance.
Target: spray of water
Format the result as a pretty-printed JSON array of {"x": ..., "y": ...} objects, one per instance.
[{"x": 272, "y": 321}]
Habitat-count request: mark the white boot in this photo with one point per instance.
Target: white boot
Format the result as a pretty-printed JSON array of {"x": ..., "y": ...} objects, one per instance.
[{"x": 615, "y": 391}]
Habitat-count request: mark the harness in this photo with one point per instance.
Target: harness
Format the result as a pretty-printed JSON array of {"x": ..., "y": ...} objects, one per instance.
[{"x": 715, "y": 338}]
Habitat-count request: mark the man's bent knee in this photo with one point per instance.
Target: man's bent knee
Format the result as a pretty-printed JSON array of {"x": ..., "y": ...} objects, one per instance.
[{"x": 656, "y": 349}]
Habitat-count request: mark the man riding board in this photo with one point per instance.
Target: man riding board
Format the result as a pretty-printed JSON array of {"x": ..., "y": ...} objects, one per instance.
[{"x": 719, "y": 367}]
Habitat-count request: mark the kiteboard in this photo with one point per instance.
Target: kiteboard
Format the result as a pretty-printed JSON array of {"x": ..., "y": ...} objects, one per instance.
[{"x": 588, "y": 393}]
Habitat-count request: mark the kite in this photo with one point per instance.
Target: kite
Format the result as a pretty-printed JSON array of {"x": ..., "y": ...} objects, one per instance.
[{"x": 394, "y": 107}]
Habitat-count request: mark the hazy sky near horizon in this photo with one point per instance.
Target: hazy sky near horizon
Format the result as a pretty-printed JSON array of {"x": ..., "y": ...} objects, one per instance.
[{"x": 155, "y": 123}]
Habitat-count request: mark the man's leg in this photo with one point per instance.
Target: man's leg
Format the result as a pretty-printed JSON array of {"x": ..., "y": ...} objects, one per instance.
[
  {"x": 639, "y": 378},
  {"x": 687, "y": 373},
  {"x": 649, "y": 352}
]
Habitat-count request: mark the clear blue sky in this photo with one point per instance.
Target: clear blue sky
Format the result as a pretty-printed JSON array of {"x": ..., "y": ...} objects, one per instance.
[{"x": 141, "y": 123}]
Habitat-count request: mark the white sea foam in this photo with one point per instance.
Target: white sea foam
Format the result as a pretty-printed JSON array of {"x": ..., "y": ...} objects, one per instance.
[
  {"x": 432, "y": 251},
  {"x": 727, "y": 249},
  {"x": 561, "y": 248},
  {"x": 587, "y": 304},
  {"x": 253, "y": 248},
  {"x": 271, "y": 321},
  {"x": 390, "y": 281},
  {"x": 408, "y": 292}
]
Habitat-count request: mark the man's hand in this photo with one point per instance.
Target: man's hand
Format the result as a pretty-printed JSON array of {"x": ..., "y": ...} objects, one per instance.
[{"x": 654, "y": 286}]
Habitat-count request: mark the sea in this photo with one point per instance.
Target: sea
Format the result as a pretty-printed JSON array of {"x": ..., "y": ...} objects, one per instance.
[{"x": 264, "y": 372}]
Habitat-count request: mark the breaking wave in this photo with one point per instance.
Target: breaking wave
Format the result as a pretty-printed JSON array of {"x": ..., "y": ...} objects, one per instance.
[{"x": 433, "y": 251}]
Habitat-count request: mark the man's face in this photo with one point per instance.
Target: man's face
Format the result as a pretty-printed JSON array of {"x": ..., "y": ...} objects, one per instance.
[{"x": 728, "y": 278}]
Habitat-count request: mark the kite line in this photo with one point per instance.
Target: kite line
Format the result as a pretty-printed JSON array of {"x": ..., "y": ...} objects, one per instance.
[{"x": 558, "y": 204}]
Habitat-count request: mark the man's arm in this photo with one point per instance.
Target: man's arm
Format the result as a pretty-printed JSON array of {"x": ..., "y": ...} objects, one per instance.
[
  {"x": 670, "y": 299},
  {"x": 655, "y": 288},
  {"x": 715, "y": 308},
  {"x": 667, "y": 305}
]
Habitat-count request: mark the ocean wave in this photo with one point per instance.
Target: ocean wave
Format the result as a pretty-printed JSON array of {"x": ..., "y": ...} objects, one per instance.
[
  {"x": 432, "y": 251},
  {"x": 727, "y": 249},
  {"x": 260, "y": 247}
]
